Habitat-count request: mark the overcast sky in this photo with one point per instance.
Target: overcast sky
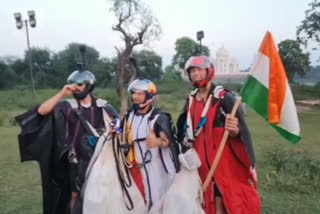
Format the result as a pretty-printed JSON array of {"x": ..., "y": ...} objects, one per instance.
[{"x": 239, "y": 25}]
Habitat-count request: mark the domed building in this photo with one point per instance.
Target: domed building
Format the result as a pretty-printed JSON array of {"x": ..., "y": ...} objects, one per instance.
[
  {"x": 224, "y": 63},
  {"x": 226, "y": 68}
]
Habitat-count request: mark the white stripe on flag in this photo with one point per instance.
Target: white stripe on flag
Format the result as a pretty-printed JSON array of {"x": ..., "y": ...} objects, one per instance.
[{"x": 260, "y": 69}]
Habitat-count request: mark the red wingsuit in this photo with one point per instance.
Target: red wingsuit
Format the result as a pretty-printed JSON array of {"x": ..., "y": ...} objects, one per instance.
[{"x": 232, "y": 176}]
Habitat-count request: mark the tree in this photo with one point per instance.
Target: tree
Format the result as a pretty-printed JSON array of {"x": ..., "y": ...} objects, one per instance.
[
  {"x": 52, "y": 69},
  {"x": 65, "y": 62},
  {"x": 294, "y": 60},
  {"x": 137, "y": 25},
  {"x": 41, "y": 66},
  {"x": 170, "y": 73},
  {"x": 21, "y": 68},
  {"x": 104, "y": 70},
  {"x": 310, "y": 26},
  {"x": 67, "y": 59},
  {"x": 8, "y": 77},
  {"x": 150, "y": 64},
  {"x": 185, "y": 48}
]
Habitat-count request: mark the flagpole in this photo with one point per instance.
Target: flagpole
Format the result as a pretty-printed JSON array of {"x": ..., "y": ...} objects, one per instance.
[{"x": 220, "y": 149}]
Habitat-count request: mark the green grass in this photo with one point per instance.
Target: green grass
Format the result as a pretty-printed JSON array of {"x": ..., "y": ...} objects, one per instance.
[
  {"x": 289, "y": 177},
  {"x": 288, "y": 189},
  {"x": 20, "y": 190}
]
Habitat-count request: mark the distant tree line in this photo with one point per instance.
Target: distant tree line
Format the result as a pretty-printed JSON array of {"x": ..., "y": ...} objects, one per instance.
[{"x": 50, "y": 70}]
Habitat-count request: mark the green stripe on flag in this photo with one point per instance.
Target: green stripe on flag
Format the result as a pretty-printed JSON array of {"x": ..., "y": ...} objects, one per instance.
[
  {"x": 289, "y": 136},
  {"x": 255, "y": 95}
]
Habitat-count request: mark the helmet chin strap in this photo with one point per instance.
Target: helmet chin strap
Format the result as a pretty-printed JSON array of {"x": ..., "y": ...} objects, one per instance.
[
  {"x": 201, "y": 83},
  {"x": 141, "y": 106}
]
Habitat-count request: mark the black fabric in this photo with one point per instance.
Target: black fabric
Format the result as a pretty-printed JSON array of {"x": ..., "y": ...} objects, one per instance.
[
  {"x": 164, "y": 123},
  {"x": 227, "y": 105},
  {"x": 47, "y": 140},
  {"x": 73, "y": 171},
  {"x": 92, "y": 114},
  {"x": 38, "y": 142},
  {"x": 217, "y": 192},
  {"x": 181, "y": 122},
  {"x": 85, "y": 149}
]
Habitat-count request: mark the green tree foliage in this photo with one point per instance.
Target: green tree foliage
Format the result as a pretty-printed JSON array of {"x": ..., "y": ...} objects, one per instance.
[
  {"x": 171, "y": 74},
  {"x": 294, "y": 60},
  {"x": 22, "y": 70},
  {"x": 185, "y": 48},
  {"x": 51, "y": 70},
  {"x": 65, "y": 62},
  {"x": 8, "y": 78},
  {"x": 41, "y": 67},
  {"x": 149, "y": 63},
  {"x": 310, "y": 26}
]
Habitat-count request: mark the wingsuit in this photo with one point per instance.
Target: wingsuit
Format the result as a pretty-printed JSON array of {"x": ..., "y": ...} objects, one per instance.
[
  {"x": 48, "y": 140},
  {"x": 234, "y": 178}
]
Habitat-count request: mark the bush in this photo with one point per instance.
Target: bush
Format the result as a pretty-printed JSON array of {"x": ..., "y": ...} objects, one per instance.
[
  {"x": 287, "y": 169},
  {"x": 306, "y": 91}
]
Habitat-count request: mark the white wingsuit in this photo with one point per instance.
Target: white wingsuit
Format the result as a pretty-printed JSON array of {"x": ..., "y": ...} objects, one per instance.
[{"x": 102, "y": 192}]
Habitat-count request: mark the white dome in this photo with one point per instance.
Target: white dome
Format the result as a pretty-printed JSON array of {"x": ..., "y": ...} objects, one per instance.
[{"x": 222, "y": 52}]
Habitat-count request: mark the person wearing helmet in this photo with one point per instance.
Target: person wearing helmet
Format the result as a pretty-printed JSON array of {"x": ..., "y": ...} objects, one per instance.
[
  {"x": 201, "y": 125},
  {"x": 61, "y": 135},
  {"x": 152, "y": 149}
]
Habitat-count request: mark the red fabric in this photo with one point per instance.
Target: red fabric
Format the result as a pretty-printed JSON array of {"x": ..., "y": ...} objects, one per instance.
[
  {"x": 231, "y": 176},
  {"x": 137, "y": 177}
]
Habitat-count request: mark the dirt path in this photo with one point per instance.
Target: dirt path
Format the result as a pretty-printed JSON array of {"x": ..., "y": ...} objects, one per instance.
[{"x": 306, "y": 105}]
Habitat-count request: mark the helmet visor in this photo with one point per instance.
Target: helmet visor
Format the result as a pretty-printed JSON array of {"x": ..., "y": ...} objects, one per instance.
[
  {"x": 80, "y": 78},
  {"x": 142, "y": 85}
]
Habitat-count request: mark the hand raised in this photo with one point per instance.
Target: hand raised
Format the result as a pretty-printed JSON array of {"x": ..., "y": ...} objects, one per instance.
[
  {"x": 67, "y": 90},
  {"x": 152, "y": 140}
]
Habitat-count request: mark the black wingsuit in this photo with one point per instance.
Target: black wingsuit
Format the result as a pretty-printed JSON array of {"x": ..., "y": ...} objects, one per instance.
[{"x": 42, "y": 139}]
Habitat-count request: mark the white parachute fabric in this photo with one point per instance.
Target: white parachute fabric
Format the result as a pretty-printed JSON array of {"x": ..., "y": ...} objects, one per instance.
[
  {"x": 190, "y": 160},
  {"x": 103, "y": 193},
  {"x": 185, "y": 195}
]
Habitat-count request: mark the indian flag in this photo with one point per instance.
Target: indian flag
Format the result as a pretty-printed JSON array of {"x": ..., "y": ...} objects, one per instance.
[{"x": 267, "y": 91}]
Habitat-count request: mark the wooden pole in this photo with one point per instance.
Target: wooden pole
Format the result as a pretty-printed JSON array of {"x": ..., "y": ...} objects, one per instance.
[{"x": 220, "y": 149}]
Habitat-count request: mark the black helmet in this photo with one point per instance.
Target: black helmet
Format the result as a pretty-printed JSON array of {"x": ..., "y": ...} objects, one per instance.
[{"x": 80, "y": 77}]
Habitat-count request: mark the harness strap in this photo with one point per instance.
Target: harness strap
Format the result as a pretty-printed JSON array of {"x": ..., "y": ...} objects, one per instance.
[{"x": 192, "y": 134}]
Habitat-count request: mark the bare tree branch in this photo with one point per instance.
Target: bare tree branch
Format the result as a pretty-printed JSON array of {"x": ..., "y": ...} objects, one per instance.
[{"x": 137, "y": 25}]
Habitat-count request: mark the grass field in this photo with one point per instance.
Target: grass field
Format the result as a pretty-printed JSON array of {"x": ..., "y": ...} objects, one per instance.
[{"x": 289, "y": 175}]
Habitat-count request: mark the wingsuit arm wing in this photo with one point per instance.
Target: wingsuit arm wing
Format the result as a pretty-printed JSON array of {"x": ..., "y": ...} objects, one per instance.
[
  {"x": 35, "y": 128},
  {"x": 245, "y": 136},
  {"x": 38, "y": 141},
  {"x": 164, "y": 121}
]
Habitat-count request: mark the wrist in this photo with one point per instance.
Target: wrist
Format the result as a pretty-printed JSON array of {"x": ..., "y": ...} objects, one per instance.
[
  {"x": 163, "y": 144},
  {"x": 60, "y": 95},
  {"x": 234, "y": 133},
  {"x": 160, "y": 142}
]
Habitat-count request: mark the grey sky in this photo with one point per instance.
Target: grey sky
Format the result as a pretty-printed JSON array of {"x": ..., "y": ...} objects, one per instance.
[{"x": 239, "y": 25}]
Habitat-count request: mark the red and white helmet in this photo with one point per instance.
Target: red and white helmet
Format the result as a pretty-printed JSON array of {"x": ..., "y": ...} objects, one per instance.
[{"x": 200, "y": 62}]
